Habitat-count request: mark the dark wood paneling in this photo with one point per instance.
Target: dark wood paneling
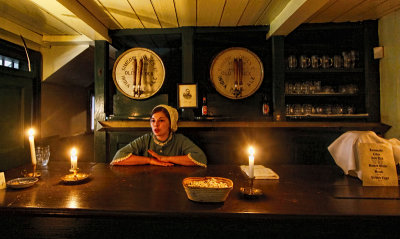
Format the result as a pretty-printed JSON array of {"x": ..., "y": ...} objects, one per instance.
[
  {"x": 100, "y": 90},
  {"x": 20, "y": 104},
  {"x": 16, "y": 103},
  {"x": 125, "y": 107},
  {"x": 278, "y": 77},
  {"x": 372, "y": 83}
]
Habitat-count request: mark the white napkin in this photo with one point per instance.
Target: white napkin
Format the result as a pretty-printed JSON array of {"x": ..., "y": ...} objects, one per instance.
[
  {"x": 260, "y": 172},
  {"x": 2, "y": 181},
  {"x": 344, "y": 150}
]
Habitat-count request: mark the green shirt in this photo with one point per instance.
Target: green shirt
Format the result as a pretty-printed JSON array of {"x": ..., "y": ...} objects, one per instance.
[{"x": 175, "y": 145}]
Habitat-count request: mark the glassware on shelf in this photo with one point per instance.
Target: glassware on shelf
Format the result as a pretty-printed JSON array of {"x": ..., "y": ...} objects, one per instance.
[
  {"x": 298, "y": 109},
  {"x": 292, "y": 62},
  {"x": 297, "y": 88},
  {"x": 354, "y": 58},
  {"x": 327, "y": 62},
  {"x": 316, "y": 61},
  {"x": 337, "y": 109},
  {"x": 308, "y": 109},
  {"x": 328, "y": 109},
  {"x": 328, "y": 89},
  {"x": 319, "y": 109},
  {"x": 347, "y": 62},
  {"x": 289, "y": 109},
  {"x": 317, "y": 86},
  {"x": 305, "y": 61},
  {"x": 303, "y": 88},
  {"x": 350, "y": 109},
  {"x": 337, "y": 61}
]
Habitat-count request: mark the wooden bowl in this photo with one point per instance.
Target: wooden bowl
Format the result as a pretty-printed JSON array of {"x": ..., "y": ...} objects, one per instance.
[{"x": 207, "y": 194}]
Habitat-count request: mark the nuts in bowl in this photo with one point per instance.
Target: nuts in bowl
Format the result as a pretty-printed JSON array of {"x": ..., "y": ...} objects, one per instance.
[{"x": 207, "y": 189}]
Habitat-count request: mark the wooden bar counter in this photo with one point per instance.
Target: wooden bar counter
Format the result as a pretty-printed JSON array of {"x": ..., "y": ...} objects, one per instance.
[{"x": 149, "y": 201}]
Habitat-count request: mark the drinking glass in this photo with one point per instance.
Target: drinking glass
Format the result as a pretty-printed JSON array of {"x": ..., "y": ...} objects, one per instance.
[
  {"x": 308, "y": 109},
  {"x": 298, "y": 109},
  {"x": 304, "y": 89},
  {"x": 297, "y": 88},
  {"x": 43, "y": 155},
  {"x": 317, "y": 86},
  {"x": 289, "y": 109}
]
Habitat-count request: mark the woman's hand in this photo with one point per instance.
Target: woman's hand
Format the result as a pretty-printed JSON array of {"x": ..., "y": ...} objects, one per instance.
[
  {"x": 159, "y": 159},
  {"x": 154, "y": 161}
]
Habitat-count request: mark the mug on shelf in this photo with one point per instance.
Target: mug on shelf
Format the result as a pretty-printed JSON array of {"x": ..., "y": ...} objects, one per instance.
[
  {"x": 347, "y": 62},
  {"x": 327, "y": 62},
  {"x": 337, "y": 61},
  {"x": 316, "y": 61},
  {"x": 305, "y": 61}
]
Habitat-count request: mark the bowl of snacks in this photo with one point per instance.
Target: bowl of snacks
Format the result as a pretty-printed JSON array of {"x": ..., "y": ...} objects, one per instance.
[{"x": 207, "y": 189}]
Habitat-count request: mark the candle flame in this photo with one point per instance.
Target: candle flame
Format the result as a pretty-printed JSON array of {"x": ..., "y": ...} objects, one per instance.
[
  {"x": 31, "y": 132},
  {"x": 73, "y": 152},
  {"x": 251, "y": 150}
]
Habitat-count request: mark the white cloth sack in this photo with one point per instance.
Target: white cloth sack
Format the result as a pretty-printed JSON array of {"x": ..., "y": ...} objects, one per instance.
[{"x": 344, "y": 150}]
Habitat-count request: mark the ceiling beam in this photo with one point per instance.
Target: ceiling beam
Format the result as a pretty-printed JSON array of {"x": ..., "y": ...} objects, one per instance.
[
  {"x": 86, "y": 16},
  {"x": 67, "y": 40},
  {"x": 294, "y": 14},
  {"x": 19, "y": 30}
]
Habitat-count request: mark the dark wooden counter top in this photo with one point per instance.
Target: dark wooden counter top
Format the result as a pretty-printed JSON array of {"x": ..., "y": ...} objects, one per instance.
[
  {"x": 317, "y": 200},
  {"x": 126, "y": 125}
]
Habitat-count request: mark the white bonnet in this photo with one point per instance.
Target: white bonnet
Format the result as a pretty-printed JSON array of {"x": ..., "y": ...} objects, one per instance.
[{"x": 173, "y": 115}]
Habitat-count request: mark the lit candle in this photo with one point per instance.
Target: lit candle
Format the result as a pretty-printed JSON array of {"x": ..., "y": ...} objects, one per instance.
[
  {"x": 251, "y": 162},
  {"x": 31, "y": 133},
  {"x": 74, "y": 159}
]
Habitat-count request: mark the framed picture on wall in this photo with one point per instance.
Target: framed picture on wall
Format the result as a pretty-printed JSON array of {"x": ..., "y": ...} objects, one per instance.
[{"x": 187, "y": 96}]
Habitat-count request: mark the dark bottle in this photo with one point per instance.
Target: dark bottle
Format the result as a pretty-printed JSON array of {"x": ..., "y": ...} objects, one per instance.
[
  {"x": 204, "y": 108},
  {"x": 265, "y": 106}
]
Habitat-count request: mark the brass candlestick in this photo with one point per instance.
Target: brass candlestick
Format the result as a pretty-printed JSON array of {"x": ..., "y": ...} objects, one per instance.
[
  {"x": 75, "y": 177},
  {"x": 34, "y": 173},
  {"x": 251, "y": 192}
]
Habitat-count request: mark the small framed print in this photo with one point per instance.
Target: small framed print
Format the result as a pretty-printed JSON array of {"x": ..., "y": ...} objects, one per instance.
[{"x": 187, "y": 96}]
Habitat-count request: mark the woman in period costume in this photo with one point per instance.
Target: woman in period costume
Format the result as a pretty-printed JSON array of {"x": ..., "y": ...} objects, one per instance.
[{"x": 161, "y": 147}]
